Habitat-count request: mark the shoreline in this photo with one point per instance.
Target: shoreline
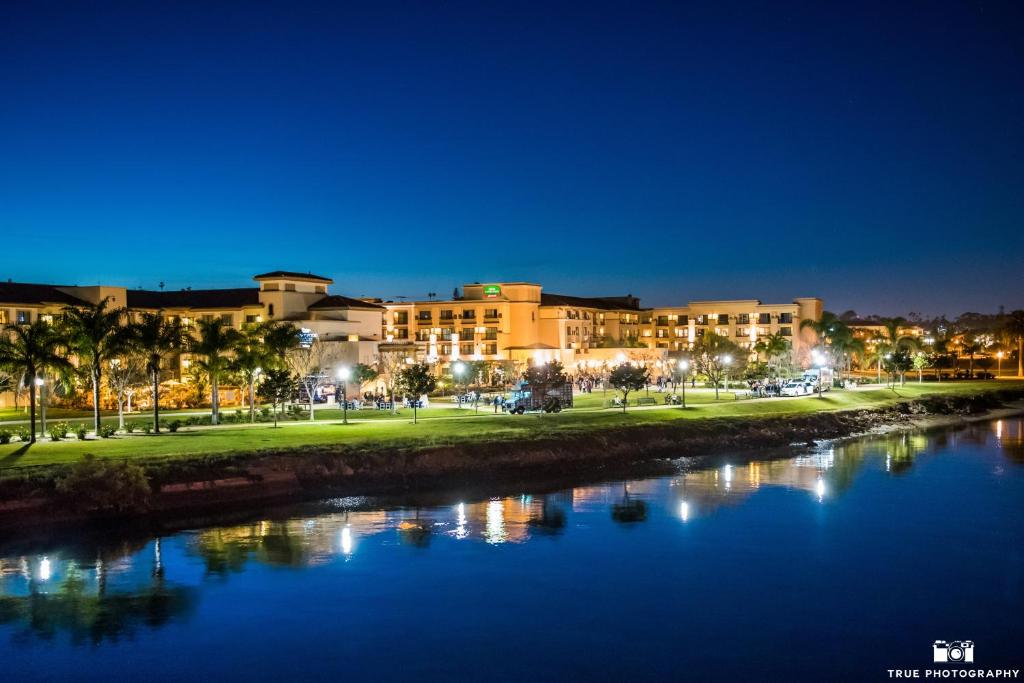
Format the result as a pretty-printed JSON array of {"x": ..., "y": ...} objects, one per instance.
[{"x": 189, "y": 490}]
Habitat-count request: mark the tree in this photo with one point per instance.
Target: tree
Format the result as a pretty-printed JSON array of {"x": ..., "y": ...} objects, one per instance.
[
  {"x": 1014, "y": 325},
  {"x": 310, "y": 364},
  {"x": 363, "y": 373},
  {"x": 95, "y": 334},
  {"x": 26, "y": 351},
  {"x": 921, "y": 361},
  {"x": 280, "y": 338},
  {"x": 897, "y": 363},
  {"x": 156, "y": 338},
  {"x": 251, "y": 356},
  {"x": 774, "y": 348},
  {"x": 626, "y": 378},
  {"x": 970, "y": 345},
  {"x": 416, "y": 380},
  {"x": 390, "y": 362},
  {"x": 714, "y": 355},
  {"x": 278, "y": 387},
  {"x": 126, "y": 373},
  {"x": 215, "y": 340}
]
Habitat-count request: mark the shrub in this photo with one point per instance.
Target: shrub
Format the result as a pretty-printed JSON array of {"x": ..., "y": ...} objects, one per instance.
[
  {"x": 80, "y": 433},
  {"x": 148, "y": 429},
  {"x": 173, "y": 425},
  {"x": 101, "y": 485},
  {"x": 264, "y": 412},
  {"x": 131, "y": 427},
  {"x": 59, "y": 430},
  {"x": 24, "y": 434},
  {"x": 5, "y": 436},
  {"x": 107, "y": 431}
]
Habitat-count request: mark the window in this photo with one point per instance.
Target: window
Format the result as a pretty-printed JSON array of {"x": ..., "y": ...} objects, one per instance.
[
  {"x": 764, "y": 318},
  {"x": 23, "y": 317},
  {"x": 446, "y": 333},
  {"x": 490, "y": 349},
  {"x": 723, "y": 318},
  {"x": 270, "y": 310},
  {"x": 226, "y": 318},
  {"x": 466, "y": 349},
  {"x": 491, "y": 334},
  {"x": 684, "y": 320},
  {"x": 469, "y": 314},
  {"x": 785, "y": 318},
  {"x": 491, "y": 313},
  {"x": 786, "y": 331},
  {"x": 402, "y": 333},
  {"x": 702, "y": 319},
  {"x": 250, "y": 319},
  {"x": 423, "y": 335},
  {"x": 662, "y": 321},
  {"x": 289, "y": 286},
  {"x": 401, "y": 317},
  {"x": 424, "y": 316},
  {"x": 743, "y": 319},
  {"x": 447, "y": 314},
  {"x": 3, "y": 316},
  {"x": 269, "y": 286},
  {"x": 467, "y": 333}
]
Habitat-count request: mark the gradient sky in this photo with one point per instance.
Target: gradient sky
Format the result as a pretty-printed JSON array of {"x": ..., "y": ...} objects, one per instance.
[{"x": 870, "y": 155}]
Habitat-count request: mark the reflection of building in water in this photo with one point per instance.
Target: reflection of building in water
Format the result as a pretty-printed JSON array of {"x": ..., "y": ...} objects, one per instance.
[{"x": 1010, "y": 437}]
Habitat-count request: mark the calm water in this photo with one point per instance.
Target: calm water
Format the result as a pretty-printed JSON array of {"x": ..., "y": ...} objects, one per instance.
[{"x": 835, "y": 564}]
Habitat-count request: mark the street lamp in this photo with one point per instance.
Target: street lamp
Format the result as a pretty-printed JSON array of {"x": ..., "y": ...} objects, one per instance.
[
  {"x": 344, "y": 372},
  {"x": 726, "y": 361},
  {"x": 999, "y": 363},
  {"x": 459, "y": 370},
  {"x": 684, "y": 365},
  {"x": 819, "y": 362}
]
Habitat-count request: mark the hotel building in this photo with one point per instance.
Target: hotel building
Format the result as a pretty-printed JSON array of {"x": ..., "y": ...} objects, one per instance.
[{"x": 498, "y": 321}]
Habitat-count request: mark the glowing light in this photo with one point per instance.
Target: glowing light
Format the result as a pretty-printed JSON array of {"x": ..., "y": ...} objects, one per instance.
[
  {"x": 819, "y": 488},
  {"x": 684, "y": 365},
  {"x": 495, "y": 532},
  {"x": 727, "y": 476},
  {"x": 44, "y": 569},
  {"x": 346, "y": 540},
  {"x": 460, "y": 521},
  {"x": 344, "y": 372},
  {"x": 39, "y": 381},
  {"x": 684, "y": 510}
]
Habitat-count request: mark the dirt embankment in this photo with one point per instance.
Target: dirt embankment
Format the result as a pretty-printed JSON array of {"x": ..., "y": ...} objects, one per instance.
[{"x": 197, "y": 484}]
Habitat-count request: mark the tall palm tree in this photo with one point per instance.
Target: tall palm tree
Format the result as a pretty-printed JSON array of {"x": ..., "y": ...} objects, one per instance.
[
  {"x": 27, "y": 350},
  {"x": 1015, "y": 327},
  {"x": 157, "y": 337},
  {"x": 773, "y": 347},
  {"x": 279, "y": 338},
  {"x": 970, "y": 345},
  {"x": 216, "y": 339},
  {"x": 95, "y": 334},
  {"x": 251, "y": 356},
  {"x": 826, "y": 327}
]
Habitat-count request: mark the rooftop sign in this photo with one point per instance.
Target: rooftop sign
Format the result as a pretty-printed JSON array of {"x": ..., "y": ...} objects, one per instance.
[{"x": 492, "y": 291}]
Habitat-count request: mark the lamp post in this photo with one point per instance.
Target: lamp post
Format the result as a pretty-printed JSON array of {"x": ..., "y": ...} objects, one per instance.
[
  {"x": 999, "y": 364},
  {"x": 683, "y": 367},
  {"x": 726, "y": 361},
  {"x": 343, "y": 374},
  {"x": 459, "y": 370},
  {"x": 819, "y": 362}
]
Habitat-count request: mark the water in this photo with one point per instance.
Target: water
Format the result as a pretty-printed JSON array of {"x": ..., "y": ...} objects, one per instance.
[{"x": 835, "y": 564}]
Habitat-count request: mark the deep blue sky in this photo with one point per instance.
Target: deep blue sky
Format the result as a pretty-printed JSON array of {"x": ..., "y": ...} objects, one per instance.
[{"x": 872, "y": 155}]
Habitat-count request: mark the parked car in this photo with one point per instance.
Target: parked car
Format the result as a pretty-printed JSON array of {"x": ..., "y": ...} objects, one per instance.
[{"x": 797, "y": 388}]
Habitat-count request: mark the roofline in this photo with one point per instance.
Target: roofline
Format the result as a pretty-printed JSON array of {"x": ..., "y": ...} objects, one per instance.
[{"x": 305, "y": 277}]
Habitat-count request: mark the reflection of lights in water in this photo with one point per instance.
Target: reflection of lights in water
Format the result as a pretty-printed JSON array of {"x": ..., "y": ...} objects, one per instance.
[
  {"x": 888, "y": 462},
  {"x": 999, "y": 429},
  {"x": 495, "y": 522},
  {"x": 460, "y": 521},
  {"x": 684, "y": 510},
  {"x": 44, "y": 569},
  {"x": 346, "y": 539},
  {"x": 819, "y": 488},
  {"x": 727, "y": 476}
]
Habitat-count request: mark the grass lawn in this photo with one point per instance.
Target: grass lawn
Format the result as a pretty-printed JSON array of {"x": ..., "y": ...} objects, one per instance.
[{"x": 446, "y": 426}]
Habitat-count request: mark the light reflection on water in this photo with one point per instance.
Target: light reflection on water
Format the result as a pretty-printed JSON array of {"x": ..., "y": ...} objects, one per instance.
[{"x": 104, "y": 591}]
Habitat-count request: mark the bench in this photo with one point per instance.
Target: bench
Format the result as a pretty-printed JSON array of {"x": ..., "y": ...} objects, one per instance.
[{"x": 647, "y": 401}]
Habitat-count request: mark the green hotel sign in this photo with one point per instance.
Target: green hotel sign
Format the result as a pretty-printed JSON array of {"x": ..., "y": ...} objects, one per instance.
[{"x": 492, "y": 291}]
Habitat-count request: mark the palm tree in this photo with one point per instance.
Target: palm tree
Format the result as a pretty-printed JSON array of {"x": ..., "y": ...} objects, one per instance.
[
  {"x": 27, "y": 350},
  {"x": 825, "y": 328},
  {"x": 96, "y": 336},
  {"x": 215, "y": 341},
  {"x": 845, "y": 346},
  {"x": 1015, "y": 327},
  {"x": 279, "y": 338},
  {"x": 157, "y": 337},
  {"x": 773, "y": 348},
  {"x": 251, "y": 356},
  {"x": 970, "y": 345}
]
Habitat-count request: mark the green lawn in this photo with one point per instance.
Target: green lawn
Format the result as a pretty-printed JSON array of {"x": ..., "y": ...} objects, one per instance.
[{"x": 444, "y": 426}]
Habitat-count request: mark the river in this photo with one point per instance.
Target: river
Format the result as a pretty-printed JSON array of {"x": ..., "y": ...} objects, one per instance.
[{"x": 833, "y": 563}]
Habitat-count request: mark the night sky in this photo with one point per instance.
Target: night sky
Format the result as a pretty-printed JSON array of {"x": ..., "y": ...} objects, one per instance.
[{"x": 870, "y": 155}]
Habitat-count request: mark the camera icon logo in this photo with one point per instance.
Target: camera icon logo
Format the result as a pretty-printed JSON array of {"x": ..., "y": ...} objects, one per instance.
[{"x": 955, "y": 651}]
